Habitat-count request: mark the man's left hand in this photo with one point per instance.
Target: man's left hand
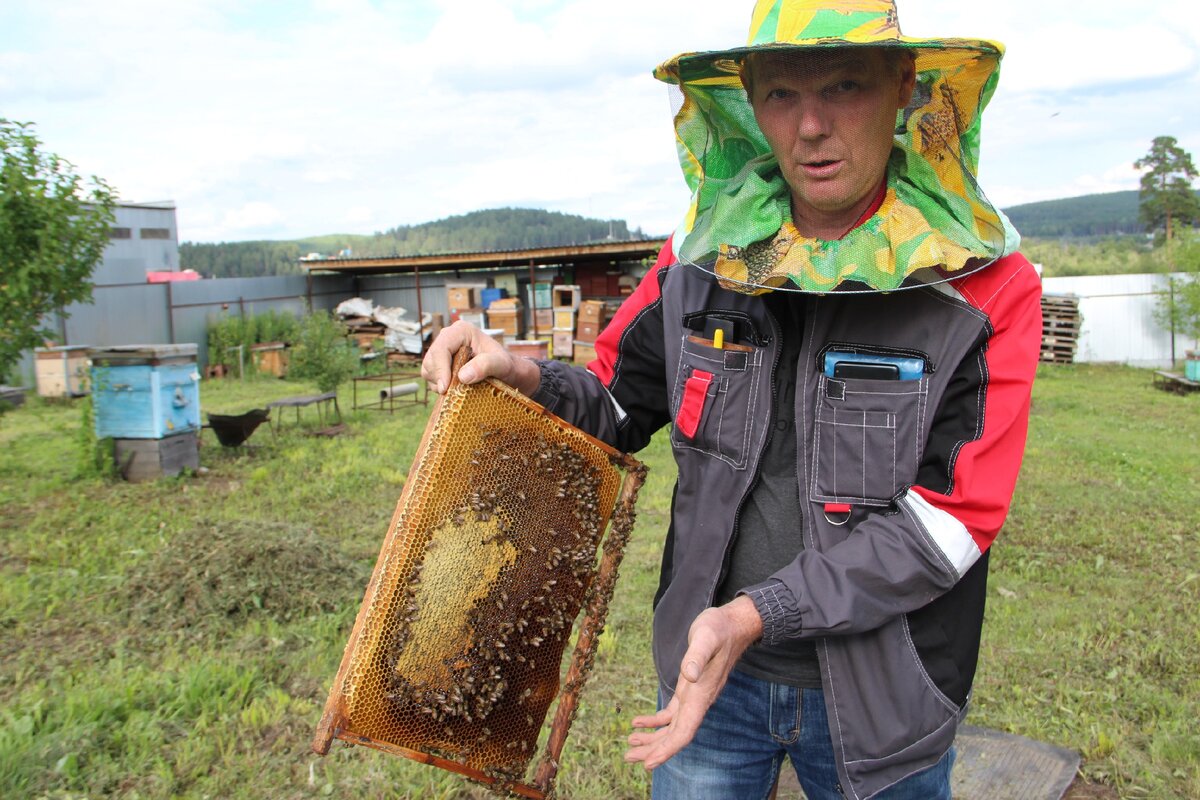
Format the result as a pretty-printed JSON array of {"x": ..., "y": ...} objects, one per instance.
[{"x": 716, "y": 641}]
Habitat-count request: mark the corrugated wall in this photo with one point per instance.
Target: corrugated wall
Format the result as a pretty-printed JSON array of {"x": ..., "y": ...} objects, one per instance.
[{"x": 1118, "y": 310}]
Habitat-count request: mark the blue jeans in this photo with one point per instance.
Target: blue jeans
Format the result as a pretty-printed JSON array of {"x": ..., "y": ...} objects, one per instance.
[{"x": 752, "y": 726}]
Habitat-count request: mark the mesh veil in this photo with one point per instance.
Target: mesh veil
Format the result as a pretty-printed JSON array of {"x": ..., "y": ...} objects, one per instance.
[{"x": 932, "y": 223}]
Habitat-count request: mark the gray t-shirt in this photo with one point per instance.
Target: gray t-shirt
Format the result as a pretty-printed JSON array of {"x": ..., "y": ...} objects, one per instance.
[{"x": 769, "y": 525}]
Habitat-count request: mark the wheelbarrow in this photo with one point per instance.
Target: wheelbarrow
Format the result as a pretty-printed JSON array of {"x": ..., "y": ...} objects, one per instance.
[{"x": 233, "y": 430}]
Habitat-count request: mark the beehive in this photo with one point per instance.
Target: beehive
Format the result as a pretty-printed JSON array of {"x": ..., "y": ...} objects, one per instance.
[{"x": 456, "y": 655}]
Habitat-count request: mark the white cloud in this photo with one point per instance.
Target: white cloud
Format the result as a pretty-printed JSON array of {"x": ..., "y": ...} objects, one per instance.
[
  {"x": 283, "y": 120},
  {"x": 1096, "y": 57},
  {"x": 252, "y": 216}
]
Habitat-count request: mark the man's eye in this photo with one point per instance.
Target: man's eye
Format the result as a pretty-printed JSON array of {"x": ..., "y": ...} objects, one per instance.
[
  {"x": 779, "y": 94},
  {"x": 842, "y": 87}
]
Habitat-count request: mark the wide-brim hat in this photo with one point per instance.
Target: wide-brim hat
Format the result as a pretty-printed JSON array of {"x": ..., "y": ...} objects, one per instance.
[{"x": 934, "y": 222}]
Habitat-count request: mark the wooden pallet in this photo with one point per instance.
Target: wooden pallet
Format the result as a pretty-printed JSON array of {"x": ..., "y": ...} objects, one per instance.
[{"x": 1061, "y": 323}]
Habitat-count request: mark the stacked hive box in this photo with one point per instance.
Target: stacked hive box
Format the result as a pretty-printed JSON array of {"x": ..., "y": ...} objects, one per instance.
[
  {"x": 591, "y": 319},
  {"x": 1060, "y": 328},
  {"x": 61, "y": 371},
  {"x": 147, "y": 399},
  {"x": 465, "y": 302},
  {"x": 506, "y": 315},
  {"x": 541, "y": 317},
  {"x": 566, "y": 301}
]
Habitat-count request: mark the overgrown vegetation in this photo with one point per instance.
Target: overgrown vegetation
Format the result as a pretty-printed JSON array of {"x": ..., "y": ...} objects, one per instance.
[
  {"x": 136, "y": 661},
  {"x": 1109, "y": 256},
  {"x": 229, "y": 332}
]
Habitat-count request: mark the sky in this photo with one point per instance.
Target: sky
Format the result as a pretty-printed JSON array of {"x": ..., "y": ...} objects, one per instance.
[{"x": 278, "y": 120}]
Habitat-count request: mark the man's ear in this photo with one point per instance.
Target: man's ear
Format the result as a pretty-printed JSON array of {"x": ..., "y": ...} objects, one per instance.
[
  {"x": 744, "y": 75},
  {"x": 908, "y": 80}
]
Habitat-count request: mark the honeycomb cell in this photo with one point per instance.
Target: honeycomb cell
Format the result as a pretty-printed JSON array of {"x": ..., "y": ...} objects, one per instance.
[{"x": 493, "y": 551}]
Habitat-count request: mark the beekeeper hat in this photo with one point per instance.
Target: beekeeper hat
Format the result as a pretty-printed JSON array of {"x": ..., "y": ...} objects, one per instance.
[{"x": 934, "y": 222}]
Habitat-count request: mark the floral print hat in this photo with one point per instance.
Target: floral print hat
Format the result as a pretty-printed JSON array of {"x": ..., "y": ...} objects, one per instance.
[{"x": 934, "y": 223}]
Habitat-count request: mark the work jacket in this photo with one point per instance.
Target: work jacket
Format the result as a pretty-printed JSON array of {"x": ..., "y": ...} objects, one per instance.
[{"x": 903, "y": 482}]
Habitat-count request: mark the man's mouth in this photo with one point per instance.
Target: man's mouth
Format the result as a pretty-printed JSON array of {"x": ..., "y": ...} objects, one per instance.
[{"x": 821, "y": 168}]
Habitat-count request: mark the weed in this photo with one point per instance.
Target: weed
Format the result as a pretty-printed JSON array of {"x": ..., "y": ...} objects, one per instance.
[{"x": 136, "y": 662}]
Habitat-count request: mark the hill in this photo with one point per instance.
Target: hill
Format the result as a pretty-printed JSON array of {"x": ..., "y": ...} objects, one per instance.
[
  {"x": 1108, "y": 214},
  {"x": 1080, "y": 219},
  {"x": 491, "y": 229},
  {"x": 1088, "y": 216}
]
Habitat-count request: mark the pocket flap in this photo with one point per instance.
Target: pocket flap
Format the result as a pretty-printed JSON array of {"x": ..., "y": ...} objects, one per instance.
[{"x": 691, "y": 408}]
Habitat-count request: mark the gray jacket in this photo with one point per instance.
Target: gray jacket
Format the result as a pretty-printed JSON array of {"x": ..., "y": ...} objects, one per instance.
[{"x": 892, "y": 590}]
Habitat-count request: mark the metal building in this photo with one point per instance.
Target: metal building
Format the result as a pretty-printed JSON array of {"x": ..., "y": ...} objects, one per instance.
[{"x": 143, "y": 238}]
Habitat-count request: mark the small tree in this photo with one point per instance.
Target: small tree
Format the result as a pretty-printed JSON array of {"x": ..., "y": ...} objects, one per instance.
[
  {"x": 323, "y": 354},
  {"x": 1166, "y": 196},
  {"x": 1178, "y": 309},
  {"x": 53, "y": 232}
]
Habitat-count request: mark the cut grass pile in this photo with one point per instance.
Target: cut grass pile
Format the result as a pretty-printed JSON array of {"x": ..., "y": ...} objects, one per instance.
[{"x": 177, "y": 638}]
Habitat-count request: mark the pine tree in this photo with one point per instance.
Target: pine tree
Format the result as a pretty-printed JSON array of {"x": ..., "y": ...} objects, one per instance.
[{"x": 1166, "y": 196}]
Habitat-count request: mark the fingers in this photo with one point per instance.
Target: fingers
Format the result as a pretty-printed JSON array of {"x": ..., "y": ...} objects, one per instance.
[
  {"x": 490, "y": 358},
  {"x": 436, "y": 366},
  {"x": 716, "y": 640},
  {"x": 683, "y": 715},
  {"x": 657, "y": 719}
]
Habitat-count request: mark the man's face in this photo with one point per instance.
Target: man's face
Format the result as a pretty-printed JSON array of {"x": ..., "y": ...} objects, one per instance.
[{"x": 829, "y": 117}]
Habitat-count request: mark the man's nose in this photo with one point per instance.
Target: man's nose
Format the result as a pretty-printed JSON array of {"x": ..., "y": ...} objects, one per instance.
[{"x": 813, "y": 119}]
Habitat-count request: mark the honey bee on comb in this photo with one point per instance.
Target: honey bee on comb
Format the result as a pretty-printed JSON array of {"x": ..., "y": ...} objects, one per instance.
[{"x": 512, "y": 524}]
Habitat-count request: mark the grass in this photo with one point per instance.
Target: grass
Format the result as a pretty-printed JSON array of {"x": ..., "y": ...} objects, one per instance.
[{"x": 177, "y": 638}]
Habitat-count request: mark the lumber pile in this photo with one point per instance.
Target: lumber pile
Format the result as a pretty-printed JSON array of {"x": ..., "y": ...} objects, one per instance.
[{"x": 1060, "y": 328}]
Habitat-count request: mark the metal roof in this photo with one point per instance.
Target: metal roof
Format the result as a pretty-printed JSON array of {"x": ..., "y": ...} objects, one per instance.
[{"x": 601, "y": 252}]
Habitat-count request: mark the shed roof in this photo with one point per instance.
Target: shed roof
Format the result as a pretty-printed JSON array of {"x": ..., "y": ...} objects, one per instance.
[{"x": 602, "y": 252}]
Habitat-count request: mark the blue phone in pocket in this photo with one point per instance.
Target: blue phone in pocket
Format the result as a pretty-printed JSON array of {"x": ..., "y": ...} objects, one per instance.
[{"x": 842, "y": 364}]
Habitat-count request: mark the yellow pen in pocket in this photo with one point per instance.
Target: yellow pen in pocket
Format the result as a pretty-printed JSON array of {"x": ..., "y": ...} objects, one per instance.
[{"x": 719, "y": 339}]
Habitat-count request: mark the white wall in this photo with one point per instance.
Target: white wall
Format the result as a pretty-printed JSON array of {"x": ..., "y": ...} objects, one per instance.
[{"x": 1118, "y": 318}]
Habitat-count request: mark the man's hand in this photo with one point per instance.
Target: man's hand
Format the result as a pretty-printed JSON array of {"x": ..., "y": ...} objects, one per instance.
[
  {"x": 491, "y": 360},
  {"x": 716, "y": 641}
]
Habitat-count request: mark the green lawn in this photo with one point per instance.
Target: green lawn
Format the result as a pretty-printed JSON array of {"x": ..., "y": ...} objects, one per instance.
[{"x": 178, "y": 638}]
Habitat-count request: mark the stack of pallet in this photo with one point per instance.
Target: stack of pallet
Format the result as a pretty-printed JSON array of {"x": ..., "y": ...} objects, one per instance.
[{"x": 1060, "y": 328}]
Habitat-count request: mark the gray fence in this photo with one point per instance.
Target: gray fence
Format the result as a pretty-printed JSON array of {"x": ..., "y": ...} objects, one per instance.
[
  {"x": 181, "y": 312},
  {"x": 1118, "y": 310}
]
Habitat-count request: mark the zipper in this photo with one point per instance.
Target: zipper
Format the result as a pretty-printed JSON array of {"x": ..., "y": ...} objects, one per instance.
[
  {"x": 874, "y": 350},
  {"x": 777, "y": 331}
]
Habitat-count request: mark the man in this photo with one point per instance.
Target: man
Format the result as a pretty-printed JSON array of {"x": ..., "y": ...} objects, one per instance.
[{"x": 843, "y": 338}]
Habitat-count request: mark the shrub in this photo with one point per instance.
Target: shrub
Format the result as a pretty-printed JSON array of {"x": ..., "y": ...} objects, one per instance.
[{"x": 322, "y": 353}]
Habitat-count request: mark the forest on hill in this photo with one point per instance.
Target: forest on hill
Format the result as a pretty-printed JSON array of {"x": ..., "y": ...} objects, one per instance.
[
  {"x": 1108, "y": 214},
  {"x": 491, "y": 229},
  {"x": 1089, "y": 235}
]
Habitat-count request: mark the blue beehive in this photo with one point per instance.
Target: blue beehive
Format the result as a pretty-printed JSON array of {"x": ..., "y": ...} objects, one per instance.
[
  {"x": 487, "y": 296},
  {"x": 145, "y": 391}
]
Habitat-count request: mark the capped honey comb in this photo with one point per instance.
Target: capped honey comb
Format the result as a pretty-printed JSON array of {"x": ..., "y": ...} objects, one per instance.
[{"x": 497, "y": 545}]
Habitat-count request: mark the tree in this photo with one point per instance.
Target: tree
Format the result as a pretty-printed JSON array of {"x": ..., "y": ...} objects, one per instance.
[
  {"x": 53, "y": 232},
  {"x": 323, "y": 354},
  {"x": 1178, "y": 308},
  {"x": 1166, "y": 196}
]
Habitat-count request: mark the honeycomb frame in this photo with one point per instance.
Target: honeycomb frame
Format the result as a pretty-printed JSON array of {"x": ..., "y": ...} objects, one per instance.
[{"x": 511, "y": 524}]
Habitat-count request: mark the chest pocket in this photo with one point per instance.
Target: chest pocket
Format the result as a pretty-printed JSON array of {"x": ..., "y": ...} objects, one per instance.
[
  {"x": 866, "y": 441},
  {"x": 716, "y": 399}
]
